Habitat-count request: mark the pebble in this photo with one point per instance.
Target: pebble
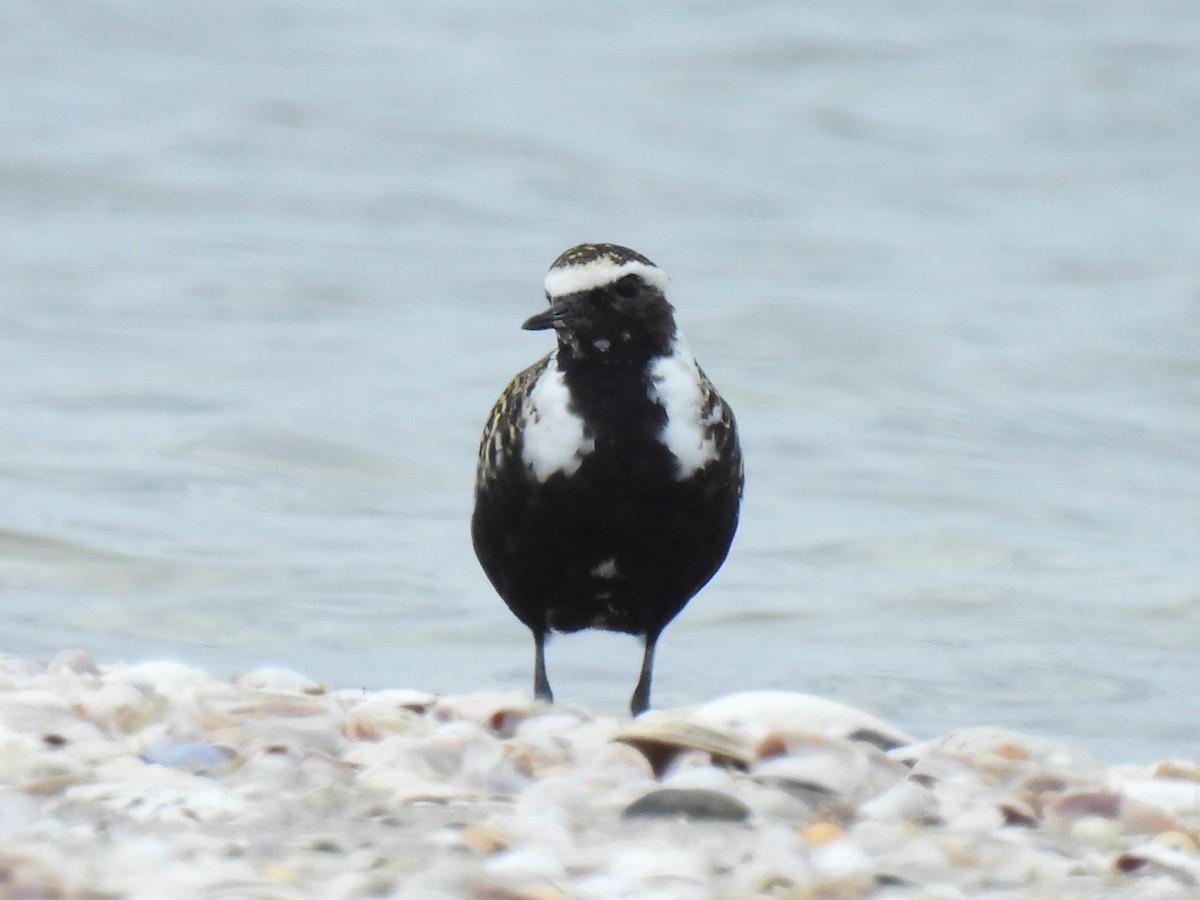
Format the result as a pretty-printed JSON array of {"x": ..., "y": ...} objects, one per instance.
[
  {"x": 159, "y": 779},
  {"x": 690, "y": 803}
]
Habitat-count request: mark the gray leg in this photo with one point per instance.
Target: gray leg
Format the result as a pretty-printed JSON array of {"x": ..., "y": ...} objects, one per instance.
[
  {"x": 640, "y": 701},
  {"x": 541, "y": 685}
]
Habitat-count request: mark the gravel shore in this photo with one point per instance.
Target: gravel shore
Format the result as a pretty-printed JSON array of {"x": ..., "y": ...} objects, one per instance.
[{"x": 160, "y": 780}]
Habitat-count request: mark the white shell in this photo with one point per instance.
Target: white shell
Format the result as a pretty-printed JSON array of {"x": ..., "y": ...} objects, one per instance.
[
  {"x": 401, "y": 793},
  {"x": 757, "y": 713}
]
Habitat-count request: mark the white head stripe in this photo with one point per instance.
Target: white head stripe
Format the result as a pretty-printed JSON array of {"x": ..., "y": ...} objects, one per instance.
[{"x": 563, "y": 280}]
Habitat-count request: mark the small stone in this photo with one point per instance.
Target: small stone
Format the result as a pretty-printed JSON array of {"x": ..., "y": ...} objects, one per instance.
[
  {"x": 1176, "y": 840},
  {"x": 188, "y": 755},
  {"x": 485, "y": 838},
  {"x": 690, "y": 803},
  {"x": 79, "y": 662},
  {"x": 540, "y": 892},
  {"x": 1175, "y": 768},
  {"x": 820, "y": 832},
  {"x": 1097, "y": 831}
]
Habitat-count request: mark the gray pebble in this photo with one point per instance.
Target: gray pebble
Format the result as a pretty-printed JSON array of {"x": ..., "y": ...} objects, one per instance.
[{"x": 691, "y": 803}]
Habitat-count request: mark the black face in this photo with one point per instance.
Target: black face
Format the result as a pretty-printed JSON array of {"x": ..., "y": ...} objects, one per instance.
[{"x": 624, "y": 320}]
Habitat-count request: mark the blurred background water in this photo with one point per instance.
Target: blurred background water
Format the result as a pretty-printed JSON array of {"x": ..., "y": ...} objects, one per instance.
[{"x": 263, "y": 267}]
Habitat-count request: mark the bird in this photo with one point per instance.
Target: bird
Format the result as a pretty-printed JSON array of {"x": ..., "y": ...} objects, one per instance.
[{"x": 609, "y": 478}]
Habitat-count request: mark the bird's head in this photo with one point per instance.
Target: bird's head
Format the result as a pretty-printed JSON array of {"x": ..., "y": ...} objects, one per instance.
[{"x": 607, "y": 303}]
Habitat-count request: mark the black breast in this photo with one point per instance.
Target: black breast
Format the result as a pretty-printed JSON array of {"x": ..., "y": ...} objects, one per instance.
[{"x": 622, "y": 543}]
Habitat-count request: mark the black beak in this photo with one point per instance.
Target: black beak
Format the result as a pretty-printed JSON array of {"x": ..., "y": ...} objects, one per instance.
[{"x": 548, "y": 318}]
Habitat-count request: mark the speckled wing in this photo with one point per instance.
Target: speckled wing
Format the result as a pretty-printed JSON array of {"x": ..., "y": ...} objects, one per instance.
[
  {"x": 721, "y": 427},
  {"x": 501, "y": 440}
]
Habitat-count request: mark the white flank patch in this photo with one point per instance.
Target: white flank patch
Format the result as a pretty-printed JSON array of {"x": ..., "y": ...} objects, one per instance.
[
  {"x": 675, "y": 384},
  {"x": 564, "y": 280},
  {"x": 554, "y": 436},
  {"x": 606, "y": 569}
]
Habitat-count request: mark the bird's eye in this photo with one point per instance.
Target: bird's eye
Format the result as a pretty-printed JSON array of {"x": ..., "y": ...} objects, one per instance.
[{"x": 628, "y": 286}]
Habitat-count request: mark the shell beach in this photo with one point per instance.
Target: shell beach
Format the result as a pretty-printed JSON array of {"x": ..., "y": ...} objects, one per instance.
[{"x": 162, "y": 780}]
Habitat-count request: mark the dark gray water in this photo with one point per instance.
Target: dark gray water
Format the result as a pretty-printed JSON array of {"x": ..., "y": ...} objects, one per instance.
[{"x": 263, "y": 266}]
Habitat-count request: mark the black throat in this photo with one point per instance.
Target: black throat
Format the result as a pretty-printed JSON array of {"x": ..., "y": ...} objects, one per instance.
[{"x": 611, "y": 391}]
